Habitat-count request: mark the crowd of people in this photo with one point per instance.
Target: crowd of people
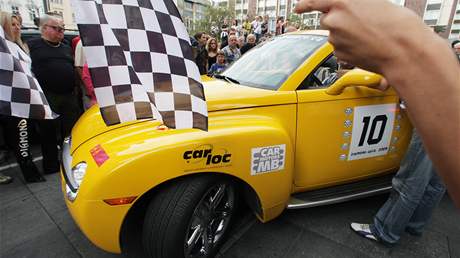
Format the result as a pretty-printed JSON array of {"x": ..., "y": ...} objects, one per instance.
[
  {"x": 60, "y": 68},
  {"x": 418, "y": 185},
  {"x": 232, "y": 42}
]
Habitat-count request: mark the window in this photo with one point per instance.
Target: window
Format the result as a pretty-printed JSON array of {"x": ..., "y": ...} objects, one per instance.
[
  {"x": 433, "y": 7},
  {"x": 14, "y": 9},
  {"x": 431, "y": 22},
  {"x": 268, "y": 65},
  {"x": 326, "y": 74},
  {"x": 32, "y": 14},
  {"x": 188, "y": 5}
]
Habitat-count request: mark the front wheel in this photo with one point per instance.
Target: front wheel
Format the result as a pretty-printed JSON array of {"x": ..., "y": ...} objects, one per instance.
[{"x": 190, "y": 217}]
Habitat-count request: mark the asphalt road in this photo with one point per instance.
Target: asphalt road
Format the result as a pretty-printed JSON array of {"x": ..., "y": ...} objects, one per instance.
[{"x": 34, "y": 222}]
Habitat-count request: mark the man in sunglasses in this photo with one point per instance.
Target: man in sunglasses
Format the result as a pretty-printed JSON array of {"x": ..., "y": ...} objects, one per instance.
[{"x": 52, "y": 64}]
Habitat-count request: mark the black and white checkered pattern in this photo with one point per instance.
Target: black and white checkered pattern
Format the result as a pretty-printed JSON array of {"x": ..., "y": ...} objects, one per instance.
[
  {"x": 20, "y": 93},
  {"x": 141, "y": 62}
]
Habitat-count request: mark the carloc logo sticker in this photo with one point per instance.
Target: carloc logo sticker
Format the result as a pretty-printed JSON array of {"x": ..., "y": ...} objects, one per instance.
[
  {"x": 208, "y": 155},
  {"x": 268, "y": 159}
]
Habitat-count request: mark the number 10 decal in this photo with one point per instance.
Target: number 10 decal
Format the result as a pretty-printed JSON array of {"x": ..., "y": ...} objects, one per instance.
[
  {"x": 372, "y": 129},
  {"x": 370, "y": 140}
]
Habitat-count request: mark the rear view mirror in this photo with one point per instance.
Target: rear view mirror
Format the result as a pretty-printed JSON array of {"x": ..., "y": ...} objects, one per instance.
[{"x": 355, "y": 77}]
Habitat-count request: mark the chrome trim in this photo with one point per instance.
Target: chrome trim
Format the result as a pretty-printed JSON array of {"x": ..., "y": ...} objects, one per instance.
[
  {"x": 71, "y": 185},
  {"x": 70, "y": 195},
  {"x": 295, "y": 203}
]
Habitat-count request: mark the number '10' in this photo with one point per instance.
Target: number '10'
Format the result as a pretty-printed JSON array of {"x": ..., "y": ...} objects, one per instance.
[{"x": 371, "y": 140}]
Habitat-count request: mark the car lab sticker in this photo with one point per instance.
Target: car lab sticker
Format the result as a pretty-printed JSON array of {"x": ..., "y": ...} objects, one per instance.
[
  {"x": 372, "y": 129},
  {"x": 268, "y": 159},
  {"x": 207, "y": 156}
]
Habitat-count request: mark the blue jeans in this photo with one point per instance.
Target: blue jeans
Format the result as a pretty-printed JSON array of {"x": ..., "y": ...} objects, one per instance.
[{"x": 417, "y": 190}]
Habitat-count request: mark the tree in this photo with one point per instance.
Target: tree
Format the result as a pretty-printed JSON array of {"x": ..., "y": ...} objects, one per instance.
[
  {"x": 213, "y": 20},
  {"x": 297, "y": 21}
]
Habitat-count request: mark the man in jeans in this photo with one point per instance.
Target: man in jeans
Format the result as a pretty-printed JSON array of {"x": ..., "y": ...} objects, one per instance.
[{"x": 417, "y": 190}]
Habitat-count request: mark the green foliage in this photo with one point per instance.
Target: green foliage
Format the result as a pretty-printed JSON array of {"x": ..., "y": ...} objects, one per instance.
[
  {"x": 439, "y": 28},
  {"x": 213, "y": 20},
  {"x": 296, "y": 20}
]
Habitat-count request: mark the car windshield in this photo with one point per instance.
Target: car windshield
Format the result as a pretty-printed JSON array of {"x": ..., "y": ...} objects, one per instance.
[{"x": 268, "y": 65}]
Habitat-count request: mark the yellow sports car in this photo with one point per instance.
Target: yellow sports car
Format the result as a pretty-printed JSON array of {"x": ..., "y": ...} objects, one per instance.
[{"x": 287, "y": 129}]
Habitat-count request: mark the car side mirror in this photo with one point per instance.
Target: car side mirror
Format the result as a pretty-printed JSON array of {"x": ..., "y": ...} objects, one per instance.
[{"x": 355, "y": 77}]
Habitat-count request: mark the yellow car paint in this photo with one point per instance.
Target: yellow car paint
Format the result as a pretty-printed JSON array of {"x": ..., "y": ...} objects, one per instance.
[{"x": 309, "y": 123}]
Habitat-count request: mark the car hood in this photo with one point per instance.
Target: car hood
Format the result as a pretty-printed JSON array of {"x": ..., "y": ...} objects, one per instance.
[{"x": 220, "y": 95}]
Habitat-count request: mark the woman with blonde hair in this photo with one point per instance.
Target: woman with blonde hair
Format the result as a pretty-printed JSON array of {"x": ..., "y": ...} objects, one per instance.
[
  {"x": 212, "y": 48},
  {"x": 18, "y": 129},
  {"x": 11, "y": 24}
]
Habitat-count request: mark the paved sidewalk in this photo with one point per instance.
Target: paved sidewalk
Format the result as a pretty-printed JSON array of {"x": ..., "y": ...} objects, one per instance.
[{"x": 34, "y": 222}]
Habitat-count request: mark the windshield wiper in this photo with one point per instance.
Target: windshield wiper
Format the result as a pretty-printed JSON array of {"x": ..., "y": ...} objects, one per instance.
[{"x": 231, "y": 80}]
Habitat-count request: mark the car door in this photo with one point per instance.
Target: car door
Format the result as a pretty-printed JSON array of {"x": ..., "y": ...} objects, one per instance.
[{"x": 359, "y": 133}]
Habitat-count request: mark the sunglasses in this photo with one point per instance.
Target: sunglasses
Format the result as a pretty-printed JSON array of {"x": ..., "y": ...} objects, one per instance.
[{"x": 56, "y": 28}]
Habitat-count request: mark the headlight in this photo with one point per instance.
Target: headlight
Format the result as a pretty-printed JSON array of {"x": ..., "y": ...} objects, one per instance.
[{"x": 78, "y": 173}]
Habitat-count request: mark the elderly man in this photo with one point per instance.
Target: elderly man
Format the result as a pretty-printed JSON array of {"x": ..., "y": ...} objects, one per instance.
[
  {"x": 250, "y": 44},
  {"x": 53, "y": 65},
  {"x": 231, "y": 51}
]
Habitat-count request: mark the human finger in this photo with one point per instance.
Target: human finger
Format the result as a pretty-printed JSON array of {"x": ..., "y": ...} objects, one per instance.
[
  {"x": 313, "y": 5},
  {"x": 383, "y": 85}
]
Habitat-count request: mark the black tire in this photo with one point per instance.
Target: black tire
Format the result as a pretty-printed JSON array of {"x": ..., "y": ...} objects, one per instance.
[{"x": 179, "y": 212}]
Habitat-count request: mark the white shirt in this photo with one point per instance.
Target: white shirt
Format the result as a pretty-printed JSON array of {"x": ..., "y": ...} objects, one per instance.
[
  {"x": 257, "y": 27},
  {"x": 80, "y": 59},
  {"x": 23, "y": 57}
]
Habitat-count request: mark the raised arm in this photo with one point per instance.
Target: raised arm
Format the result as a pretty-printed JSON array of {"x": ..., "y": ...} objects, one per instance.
[{"x": 382, "y": 37}]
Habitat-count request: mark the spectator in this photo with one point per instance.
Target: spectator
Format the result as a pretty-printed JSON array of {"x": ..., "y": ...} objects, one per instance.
[
  {"x": 236, "y": 27},
  {"x": 211, "y": 47},
  {"x": 206, "y": 37},
  {"x": 53, "y": 66},
  {"x": 19, "y": 129},
  {"x": 265, "y": 25},
  {"x": 201, "y": 55},
  {"x": 247, "y": 27},
  {"x": 250, "y": 44},
  {"x": 231, "y": 51},
  {"x": 366, "y": 44},
  {"x": 224, "y": 35},
  {"x": 230, "y": 33},
  {"x": 219, "y": 66},
  {"x": 85, "y": 82},
  {"x": 279, "y": 29},
  {"x": 257, "y": 27},
  {"x": 241, "y": 41},
  {"x": 456, "y": 47}
]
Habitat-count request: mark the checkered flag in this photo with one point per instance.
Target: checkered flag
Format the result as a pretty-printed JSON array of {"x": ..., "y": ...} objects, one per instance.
[
  {"x": 140, "y": 59},
  {"x": 20, "y": 93}
]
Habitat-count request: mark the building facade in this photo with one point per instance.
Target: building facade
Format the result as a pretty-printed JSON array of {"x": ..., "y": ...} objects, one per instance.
[
  {"x": 454, "y": 26},
  {"x": 28, "y": 9},
  {"x": 63, "y": 9},
  {"x": 245, "y": 9},
  {"x": 192, "y": 10}
]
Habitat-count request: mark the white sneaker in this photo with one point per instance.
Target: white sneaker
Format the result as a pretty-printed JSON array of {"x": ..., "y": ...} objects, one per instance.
[{"x": 363, "y": 230}]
